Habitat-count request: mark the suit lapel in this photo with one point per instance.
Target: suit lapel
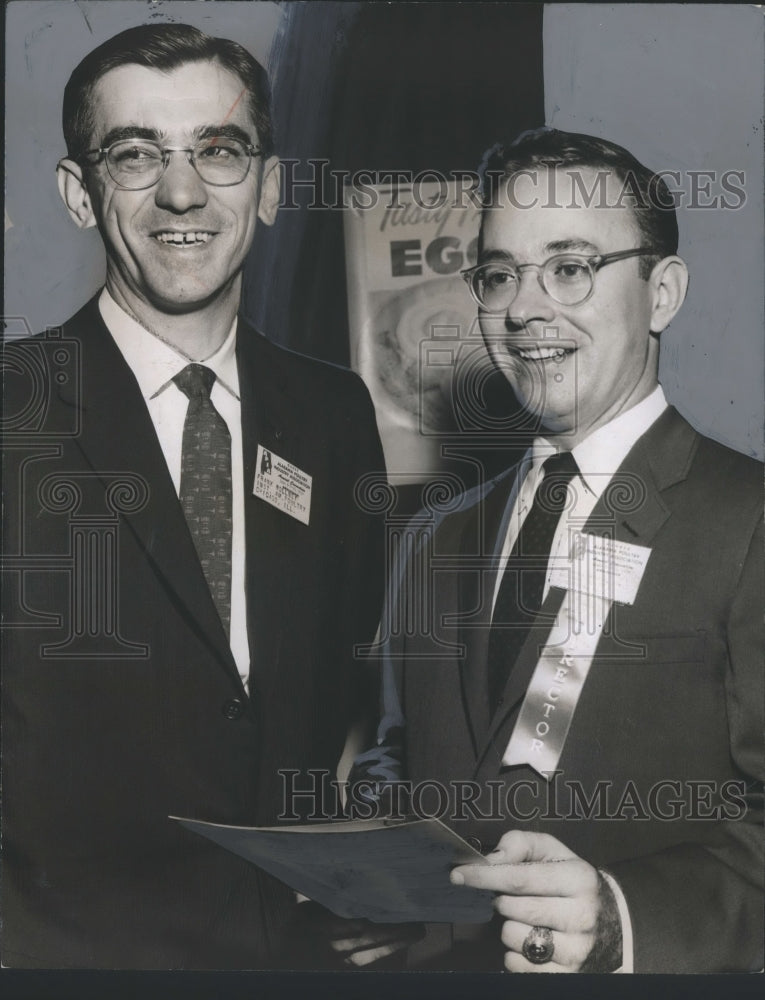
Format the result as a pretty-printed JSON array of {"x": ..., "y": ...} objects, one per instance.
[
  {"x": 118, "y": 436},
  {"x": 518, "y": 680},
  {"x": 659, "y": 460},
  {"x": 633, "y": 507},
  {"x": 475, "y": 592},
  {"x": 272, "y": 416}
]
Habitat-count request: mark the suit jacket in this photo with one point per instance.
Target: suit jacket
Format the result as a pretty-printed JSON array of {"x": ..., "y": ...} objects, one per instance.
[
  {"x": 122, "y": 703},
  {"x": 660, "y": 777}
]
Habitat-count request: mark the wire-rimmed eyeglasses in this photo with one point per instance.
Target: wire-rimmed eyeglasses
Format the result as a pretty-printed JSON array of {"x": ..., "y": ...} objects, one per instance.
[{"x": 135, "y": 164}]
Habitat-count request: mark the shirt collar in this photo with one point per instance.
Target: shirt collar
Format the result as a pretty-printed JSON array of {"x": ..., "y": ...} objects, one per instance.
[
  {"x": 603, "y": 451},
  {"x": 154, "y": 362}
]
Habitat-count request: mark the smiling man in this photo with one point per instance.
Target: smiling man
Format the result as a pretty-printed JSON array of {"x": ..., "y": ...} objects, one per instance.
[
  {"x": 180, "y": 615},
  {"x": 584, "y": 698}
]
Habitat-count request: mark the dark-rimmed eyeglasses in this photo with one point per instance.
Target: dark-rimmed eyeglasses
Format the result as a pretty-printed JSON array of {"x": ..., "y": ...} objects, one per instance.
[
  {"x": 135, "y": 164},
  {"x": 568, "y": 278}
]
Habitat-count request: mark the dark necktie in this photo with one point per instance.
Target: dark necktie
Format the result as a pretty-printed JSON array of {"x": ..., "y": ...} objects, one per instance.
[
  {"x": 205, "y": 492},
  {"x": 520, "y": 593}
]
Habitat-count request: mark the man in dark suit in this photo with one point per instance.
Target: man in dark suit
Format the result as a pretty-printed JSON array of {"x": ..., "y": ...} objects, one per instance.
[
  {"x": 582, "y": 692},
  {"x": 179, "y": 625}
]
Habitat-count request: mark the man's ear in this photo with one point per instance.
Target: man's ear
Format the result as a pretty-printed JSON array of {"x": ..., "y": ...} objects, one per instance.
[
  {"x": 669, "y": 283},
  {"x": 270, "y": 187},
  {"x": 74, "y": 193}
]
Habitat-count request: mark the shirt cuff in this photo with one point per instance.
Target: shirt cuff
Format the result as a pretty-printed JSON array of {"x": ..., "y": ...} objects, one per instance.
[{"x": 624, "y": 916}]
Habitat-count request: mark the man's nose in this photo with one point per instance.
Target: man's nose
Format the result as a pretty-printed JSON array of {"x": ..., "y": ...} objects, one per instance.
[
  {"x": 180, "y": 187},
  {"x": 532, "y": 301}
]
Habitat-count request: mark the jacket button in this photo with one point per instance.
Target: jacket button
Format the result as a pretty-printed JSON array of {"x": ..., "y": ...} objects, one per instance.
[
  {"x": 233, "y": 709},
  {"x": 474, "y": 843}
]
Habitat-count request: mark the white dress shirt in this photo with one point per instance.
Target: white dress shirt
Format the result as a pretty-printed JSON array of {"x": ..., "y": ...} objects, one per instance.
[
  {"x": 598, "y": 457},
  {"x": 154, "y": 364}
]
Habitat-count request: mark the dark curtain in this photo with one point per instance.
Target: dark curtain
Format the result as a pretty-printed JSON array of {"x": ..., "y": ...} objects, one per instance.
[{"x": 378, "y": 86}]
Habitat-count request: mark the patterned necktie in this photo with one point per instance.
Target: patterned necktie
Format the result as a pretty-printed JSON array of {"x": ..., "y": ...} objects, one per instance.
[
  {"x": 205, "y": 492},
  {"x": 520, "y": 593}
]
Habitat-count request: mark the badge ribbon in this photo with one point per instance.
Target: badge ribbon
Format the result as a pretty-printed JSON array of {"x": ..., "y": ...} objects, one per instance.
[{"x": 597, "y": 573}]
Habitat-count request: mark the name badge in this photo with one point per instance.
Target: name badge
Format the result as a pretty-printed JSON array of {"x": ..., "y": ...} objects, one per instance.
[
  {"x": 283, "y": 485},
  {"x": 602, "y": 568}
]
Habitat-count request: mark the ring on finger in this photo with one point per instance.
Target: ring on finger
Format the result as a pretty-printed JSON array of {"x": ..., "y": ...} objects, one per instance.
[{"x": 538, "y": 945}]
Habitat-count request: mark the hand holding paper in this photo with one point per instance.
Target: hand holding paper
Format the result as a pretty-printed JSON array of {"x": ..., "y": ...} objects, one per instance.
[
  {"x": 361, "y": 942},
  {"x": 378, "y": 870},
  {"x": 541, "y": 883}
]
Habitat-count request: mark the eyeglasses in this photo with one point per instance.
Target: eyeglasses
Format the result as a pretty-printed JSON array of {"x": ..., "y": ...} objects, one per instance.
[
  {"x": 135, "y": 164},
  {"x": 568, "y": 278}
]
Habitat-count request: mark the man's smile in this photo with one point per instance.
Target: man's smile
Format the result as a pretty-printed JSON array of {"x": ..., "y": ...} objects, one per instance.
[
  {"x": 539, "y": 352},
  {"x": 183, "y": 238}
]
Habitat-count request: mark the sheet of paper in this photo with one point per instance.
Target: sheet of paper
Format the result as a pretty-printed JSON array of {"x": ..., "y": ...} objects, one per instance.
[{"x": 389, "y": 872}]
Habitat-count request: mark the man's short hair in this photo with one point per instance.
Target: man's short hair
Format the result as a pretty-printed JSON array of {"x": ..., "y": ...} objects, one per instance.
[
  {"x": 162, "y": 47},
  {"x": 645, "y": 192}
]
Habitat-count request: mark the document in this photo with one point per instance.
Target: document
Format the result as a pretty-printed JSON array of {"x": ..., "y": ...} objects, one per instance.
[{"x": 389, "y": 871}]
